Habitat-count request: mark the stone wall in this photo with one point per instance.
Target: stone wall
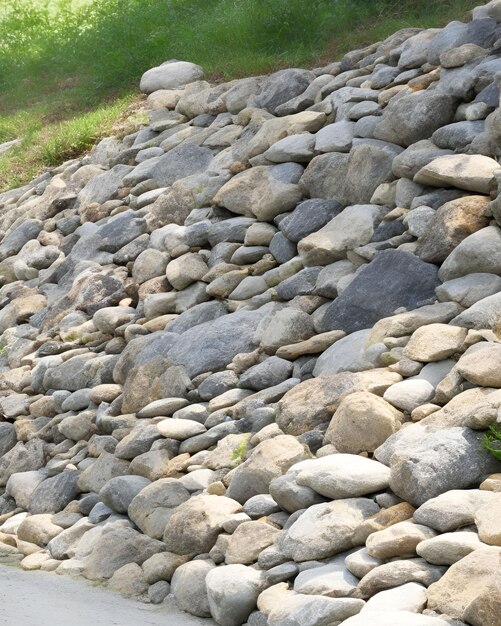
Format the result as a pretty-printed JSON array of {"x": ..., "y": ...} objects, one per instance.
[{"x": 250, "y": 352}]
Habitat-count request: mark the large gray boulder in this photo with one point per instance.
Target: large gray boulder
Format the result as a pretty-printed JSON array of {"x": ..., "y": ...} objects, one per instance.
[
  {"x": 232, "y": 591},
  {"x": 194, "y": 526},
  {"x": 439, "y": 461},
  {"x": 392, "y": 280},
  {"x": 151, "y": 508},
  {"x": 409, "y": 118},
  {"x": 54, "y": 493},
  {"x": 189, "y": 588},
  {"x": 119, "y": 491},
  {"x": 324, "y": 530},
  {"x": 178, "y": 163},
  {"x": 170, "y": 75},
  {"x": 117, "y": 546},
  {"x": 212, "y": 345}
]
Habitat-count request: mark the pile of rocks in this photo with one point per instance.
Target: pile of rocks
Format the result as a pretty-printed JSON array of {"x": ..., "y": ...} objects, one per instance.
[{"x": 250, "y": 352}]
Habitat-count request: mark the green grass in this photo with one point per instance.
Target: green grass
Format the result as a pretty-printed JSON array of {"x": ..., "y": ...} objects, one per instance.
[
  {"x": 241, "y": 450},
  {"x": 71, "y": 67},
  {"x": 492, "y": 441}
]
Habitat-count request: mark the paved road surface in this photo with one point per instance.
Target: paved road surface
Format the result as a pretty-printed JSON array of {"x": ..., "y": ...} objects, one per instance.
[{"x": 45, "y": 599}]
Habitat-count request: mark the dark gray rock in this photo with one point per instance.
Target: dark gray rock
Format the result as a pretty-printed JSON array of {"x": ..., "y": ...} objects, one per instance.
[
  {"x": 308, "y": 217},
  {"x": 282, "y": 86},
  {"x": 393, "y": 279},
  {"x": 204, "y": 312},
  {"x": 302, "y": 283},
  {"x": 182, "y": 161},
  {"x": 116, "y": 232},
  {"x": 408, "y": 163},
  {"x": 119, "y": 491},
  {"x": 458, "y": 136},
  {"x": 8, "y": 437},
  {"x": 480, "y": 32},
  {"x": 387, "y": 230},
  {"x": 435, "y": 199},
  {"x": 137, "y": 442},
  {"x": 217, "y": 384},
  {"x": 282, "y": 249},
  {"x": 103, "y": 187},
  {"x": 16, "y": 239},
  {"x": 270, "y": 372},
  {"x": 369, "y": 165},
  {"x": 53, "y": 494},
  {"x": 212, "y": 345},
  {"x": 415, "y": 116},
  {"x": 233, "y": 230},
  {"x": 246, "y": 255}
]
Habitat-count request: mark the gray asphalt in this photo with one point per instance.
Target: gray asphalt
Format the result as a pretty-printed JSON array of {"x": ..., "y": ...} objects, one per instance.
[{"x": 46, "y": 599}]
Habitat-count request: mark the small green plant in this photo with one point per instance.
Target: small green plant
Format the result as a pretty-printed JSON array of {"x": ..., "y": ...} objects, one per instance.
[
  {"x": 492, "y": 441},
  {"x": 241, "y": 450},
  {"x": 4, "y": 349}
]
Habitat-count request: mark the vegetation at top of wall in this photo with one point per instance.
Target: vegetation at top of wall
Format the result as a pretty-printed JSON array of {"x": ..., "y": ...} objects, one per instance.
[{"x": 69, "y": 68}]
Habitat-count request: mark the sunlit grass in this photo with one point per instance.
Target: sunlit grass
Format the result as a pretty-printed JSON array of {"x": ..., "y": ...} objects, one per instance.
[{"x": 66, "y": 65}]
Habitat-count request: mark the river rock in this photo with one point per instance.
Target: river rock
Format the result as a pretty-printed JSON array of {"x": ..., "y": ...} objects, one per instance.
[
  {"x": 326, "y": 529},
  {"x": 170, "y": 75},
  {"x": 232, "y": 591}
]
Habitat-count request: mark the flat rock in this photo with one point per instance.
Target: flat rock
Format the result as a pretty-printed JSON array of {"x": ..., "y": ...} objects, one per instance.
[
  {"x": 340, "y": 476},
  {"x": 350, "y": 229},
  {"x": 409, "y": 597},
  {"x": 285, "y": 607},
  {"x": 180, "y": 429},
  {"x": 395, "y": 618},
  {"x": 449, "y": 548},
  {"x": 332, "y": 579},
  {"x": 346, "y": 355},
  {"x": 396, "y": 573},
  {"x": 470, "y": 172},
  {"x": 435, "y": 342},
  {"x": 454, "y": 509},
  {"x": 398, "y": 540}
]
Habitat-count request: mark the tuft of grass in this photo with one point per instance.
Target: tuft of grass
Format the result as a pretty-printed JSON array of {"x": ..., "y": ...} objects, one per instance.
[
  {"x": 241, "y": 450},
  {"x": 68, "y": 66},
  {"x": 492, "y": 441}
]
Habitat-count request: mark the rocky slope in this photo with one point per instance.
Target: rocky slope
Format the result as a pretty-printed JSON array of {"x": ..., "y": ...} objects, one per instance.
[{"x": 250, "y": 351}]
